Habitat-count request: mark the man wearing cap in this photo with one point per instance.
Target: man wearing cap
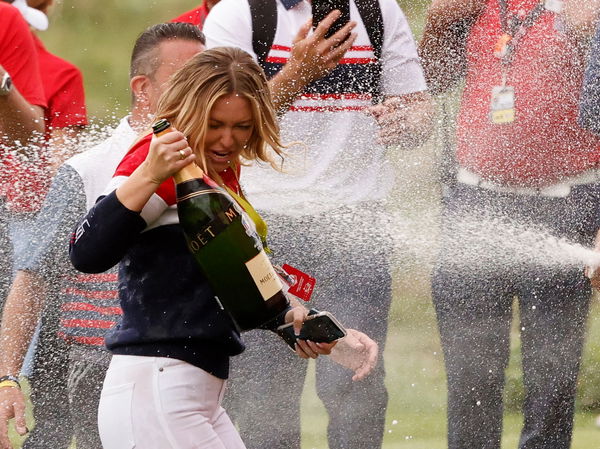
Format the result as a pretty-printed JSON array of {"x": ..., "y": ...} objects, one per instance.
[{"x": 64, "y": 118}]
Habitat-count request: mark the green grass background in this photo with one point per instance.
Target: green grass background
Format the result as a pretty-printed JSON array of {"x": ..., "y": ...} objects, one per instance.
[{"x": 98, "y": 37}]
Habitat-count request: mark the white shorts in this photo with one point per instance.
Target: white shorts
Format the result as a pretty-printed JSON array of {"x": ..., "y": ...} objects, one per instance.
[{"x": 162, "y": 403}]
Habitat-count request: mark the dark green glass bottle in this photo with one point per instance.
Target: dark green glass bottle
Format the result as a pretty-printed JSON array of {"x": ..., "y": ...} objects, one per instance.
[{"x": 224, "y": 242}]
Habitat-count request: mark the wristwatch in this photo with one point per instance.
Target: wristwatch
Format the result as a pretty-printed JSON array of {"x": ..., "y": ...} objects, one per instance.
[{"x": 5, "y": 84}]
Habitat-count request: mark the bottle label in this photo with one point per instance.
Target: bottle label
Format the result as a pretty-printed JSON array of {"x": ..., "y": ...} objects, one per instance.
[
  {"x": 264, "y": 276},
  {"x": 211, "y": 230}
]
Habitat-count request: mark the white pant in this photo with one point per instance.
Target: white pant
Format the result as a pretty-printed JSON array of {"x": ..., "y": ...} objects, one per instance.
[{"x": 161, "y": 403}]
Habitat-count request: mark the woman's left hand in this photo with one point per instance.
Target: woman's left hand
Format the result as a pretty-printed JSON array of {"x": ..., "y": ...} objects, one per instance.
[
  {"x": 309, "y": 349},
  {"x": 304, "y": 348}
]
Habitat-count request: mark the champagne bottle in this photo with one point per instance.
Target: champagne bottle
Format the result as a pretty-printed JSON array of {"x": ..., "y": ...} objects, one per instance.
[{"x": 223, "y": 240}]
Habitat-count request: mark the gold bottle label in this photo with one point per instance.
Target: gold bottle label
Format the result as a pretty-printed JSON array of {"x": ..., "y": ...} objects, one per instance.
[{"x": 264, "y": 275}]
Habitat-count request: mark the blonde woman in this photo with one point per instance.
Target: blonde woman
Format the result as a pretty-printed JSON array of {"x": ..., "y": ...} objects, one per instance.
[{"x": 171, "y": 351}]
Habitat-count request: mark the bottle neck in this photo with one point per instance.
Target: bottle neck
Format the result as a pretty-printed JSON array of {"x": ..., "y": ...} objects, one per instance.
[{"x": 191, "y": 171}]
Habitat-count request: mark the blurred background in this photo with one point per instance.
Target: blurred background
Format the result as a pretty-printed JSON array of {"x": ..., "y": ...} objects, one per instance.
[{"x": 98, "y": 37}]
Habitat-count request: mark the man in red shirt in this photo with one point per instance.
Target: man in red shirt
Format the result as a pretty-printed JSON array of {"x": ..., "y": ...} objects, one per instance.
[
  {"x": 22, "y": 100},
  {"x": 65, "y": 115},
  {"x": 197, "y": 16},
  {"x": 22, "y": 104},
  {"x": 521, "y": 159}
]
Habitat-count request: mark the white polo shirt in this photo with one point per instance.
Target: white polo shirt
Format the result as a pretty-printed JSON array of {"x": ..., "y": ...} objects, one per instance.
[{"x": 338, "y": 161}]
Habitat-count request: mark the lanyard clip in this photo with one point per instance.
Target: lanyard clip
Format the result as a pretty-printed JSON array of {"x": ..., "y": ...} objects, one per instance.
[{"x": 502, "y": 45}]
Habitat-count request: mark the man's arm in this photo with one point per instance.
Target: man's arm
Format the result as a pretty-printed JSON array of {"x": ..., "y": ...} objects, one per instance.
[
  {"x": 19, "y": 318},
  {"x": 312, "y": 58},
  {"x": 21, "y": 110},
  {"x": 47, "y": 262},
  {"x": 442, "y": 47},
  {"x": 19, "y": 120},
  {"x": 63, "y": 205},
  {"x": 581, "y": 17}
]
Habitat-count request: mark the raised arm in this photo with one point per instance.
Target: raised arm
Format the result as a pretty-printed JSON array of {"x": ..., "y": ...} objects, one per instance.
[
  {"x": 442, "y": 47},
  {"x": 312, "y": 58},
  {"x": 105, "y": 233}
]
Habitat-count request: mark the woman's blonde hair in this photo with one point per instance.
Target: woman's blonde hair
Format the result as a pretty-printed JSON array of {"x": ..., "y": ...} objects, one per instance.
[{"x": 208, "y": 76}]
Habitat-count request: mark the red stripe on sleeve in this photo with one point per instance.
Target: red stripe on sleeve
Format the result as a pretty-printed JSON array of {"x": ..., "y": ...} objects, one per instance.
[
  {"x": 95, "y": 324},
  {"x": 85, "y": 307}
]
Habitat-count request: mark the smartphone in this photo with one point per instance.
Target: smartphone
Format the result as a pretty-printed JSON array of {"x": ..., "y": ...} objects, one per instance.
[
  {"x": 321, "y": 327},
  {"x": 321, "y": 8}
]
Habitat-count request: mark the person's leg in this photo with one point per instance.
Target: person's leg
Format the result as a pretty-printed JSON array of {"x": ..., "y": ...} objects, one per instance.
[
  {"x": 359, "y": 297},
  {"x": 268, "y": 374},
  {"x": 555, "y": 303},
  {"x": 84, "y": 387},
  {"x": 552, "y": 336},
  {"x": 473, "y": 303},
  {"x": 49, "y": 394},
  {"x": 264, "y": 390},
  {"x": 474, "y": 319},
  {"x": 159, "y": 403}
]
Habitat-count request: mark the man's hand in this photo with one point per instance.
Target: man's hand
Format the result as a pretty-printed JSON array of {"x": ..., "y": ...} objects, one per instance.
[
  {"x": 406, "y": 120},
  {"x": 12, "y": 405},
  {"x": 312, "y": 57},
  {"x": 356, "y": 351}
]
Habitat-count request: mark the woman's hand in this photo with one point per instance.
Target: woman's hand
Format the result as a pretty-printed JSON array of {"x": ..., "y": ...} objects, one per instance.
[
  {"x": 168, "y": 154},
  {"x": 305, "y": 348}
]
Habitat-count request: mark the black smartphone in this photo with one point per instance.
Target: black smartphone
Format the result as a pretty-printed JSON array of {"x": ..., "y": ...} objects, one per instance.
[
  {"x": 321, "y": 327},
  {"x": 321, "y": 8}
]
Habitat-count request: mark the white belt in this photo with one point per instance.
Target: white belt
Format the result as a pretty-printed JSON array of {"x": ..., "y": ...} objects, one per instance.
[{"x": 560, "y": 190}]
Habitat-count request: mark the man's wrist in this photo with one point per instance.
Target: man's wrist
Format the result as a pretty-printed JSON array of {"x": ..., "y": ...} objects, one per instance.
[
  {"x": 5, "y": 84},
  {"x": 9, "y": 381}
]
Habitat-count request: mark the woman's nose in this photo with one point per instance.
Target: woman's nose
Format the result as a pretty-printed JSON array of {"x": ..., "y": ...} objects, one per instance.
[{"x": 226, "y": 138}]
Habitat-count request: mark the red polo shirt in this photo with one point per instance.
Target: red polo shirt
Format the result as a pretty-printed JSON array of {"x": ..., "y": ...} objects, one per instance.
[
  {"x": 196, "y": 16},
  {"x": 544, "y": 143},
  {"x": 63, "y": 89},
  {"x": 19, "y": 58},
  {"x": 18, "y": 55}
]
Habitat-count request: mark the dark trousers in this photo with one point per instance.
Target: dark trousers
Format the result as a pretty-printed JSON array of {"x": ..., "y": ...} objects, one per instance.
[
  {"x": 353, "y": 282},
  {"x": 474, "y": 301},
  {"x": 87, "y": 368},
  {"x": 53, "y": 426},
  {"x": 6, "y": 254}
]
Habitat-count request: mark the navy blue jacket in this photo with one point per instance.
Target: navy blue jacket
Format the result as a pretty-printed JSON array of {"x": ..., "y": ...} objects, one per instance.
[{"x": 169, "y": 309}]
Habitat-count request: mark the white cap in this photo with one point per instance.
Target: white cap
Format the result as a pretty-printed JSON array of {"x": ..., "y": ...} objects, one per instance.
[{"x": 34, "y": 17}]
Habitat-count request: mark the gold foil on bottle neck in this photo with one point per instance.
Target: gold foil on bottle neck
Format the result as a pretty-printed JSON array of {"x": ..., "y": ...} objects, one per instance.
[{"x": 188, "y": 172}]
